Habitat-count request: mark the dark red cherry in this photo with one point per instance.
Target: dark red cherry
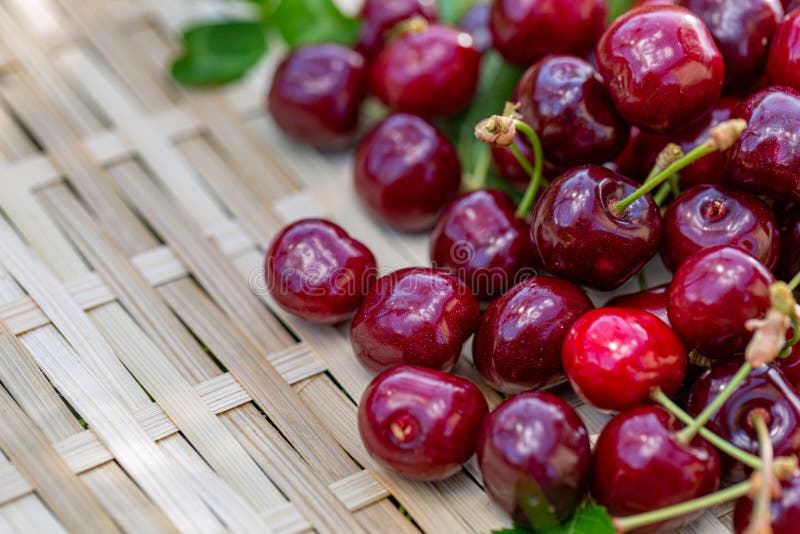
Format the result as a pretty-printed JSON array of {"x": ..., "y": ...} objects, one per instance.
[
  {"x": 765, "y": 159},
  {"x": 789, "y": 264},
  {"x": 564, "y": 100},
  {"x": 742, "y": 30},
  {"x": 653, "y": 300},
  {"x": 713, "y": 294},
  {"x": 316, "y": 95},
  {"x": 710, "y": 215},
  {"x": 431, "y": 71},
  {"x": 578, "y": 236},
  {"x": 614, "y": 358},
  {"x": 533, "y": 451},
  {"x": 406, "y": 171},
  {"x": 518, "y": 344},
  {"x": 420, "y": 423},
  {"x": 784, "y": 54},
  {"x": 480, "y": 239},
  {"x": 314, "y": 270},
  {"x": 640, "y": 465},
  {"x": 784, "y": 511},
  {"x": 378, "y": 17},
  {"x": 524, "y": 31},
  {"x": 765, "y": 390},
  {"x": 506, "y": 164},
  {"x": 414, "y": 316},
  {"x": 661, "y": 67},
  {"x": 790, "y": 367},
  {"x": 639, "y": 155},
  {"x": 476, "y": 23}
]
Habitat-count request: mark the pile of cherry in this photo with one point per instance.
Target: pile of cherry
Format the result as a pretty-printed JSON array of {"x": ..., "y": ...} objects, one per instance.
[{"x": 695, "y": 105}]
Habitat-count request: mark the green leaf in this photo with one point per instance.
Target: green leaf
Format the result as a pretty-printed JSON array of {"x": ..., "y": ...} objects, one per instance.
[
  {"x": 313, "y": 21},
  {"x": 617, "y": 8},
  {"x": 451, "y": 11},
  {"x": 219, "y": 52},
  {"x": 589, "y": 519}
]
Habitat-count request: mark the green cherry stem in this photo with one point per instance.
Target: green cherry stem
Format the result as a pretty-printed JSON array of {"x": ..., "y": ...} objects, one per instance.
[
  {"x": 687, "y": 434},
  {"x": 731, "y": 450},
  {"x": 662, "y": 194},
  {"x": 794, "y": 283},
  {"x": 632, "y": 522},
  {"x": 536, "y": 173},
  {"x": 761, "y": 506},
  {"x": 787, "y": 349}
]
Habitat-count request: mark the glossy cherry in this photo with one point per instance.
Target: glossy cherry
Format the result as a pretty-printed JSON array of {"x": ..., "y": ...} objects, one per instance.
[
  {"x": 564, "y": 100},
  {"x": 713, "y": 294},
  {"x": 639, "y": 155},
  {"x": 789, "y": 264},
  {"x": 615, "y": 357},
  {"x": 414, "y": 316},
  {"x": 378, "y": 17},
  {"x": 429, "y": 71},
  {"x": 742, "y": 30},
  {"x": 640, "y": 465},
  {"x": 661, "y": 67},
  {"x": 653, "y": 300},
  {"x": 784, "y": 511},
  {"x": 420, "y": 423},
  {"x": 534, "y": 455},
  {"x": 577, "y": 235},
  {"x": 518, "y": 344},
  {"x": 524, "y": 32},
  {"x": 406, "y": 171},
  {"x": 476, "y": 23},
  {"x": 784, "y": 53},
  {"x": 314, "y": 270},
  {"x": 765, "y": 159},
  {"x": 710, "y": 215},
  {"x": 480, "y": 239},
  {"x": 316, "y": 94}
]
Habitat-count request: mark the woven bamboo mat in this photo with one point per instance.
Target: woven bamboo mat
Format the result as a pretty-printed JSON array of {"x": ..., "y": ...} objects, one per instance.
[{"x": 149, "y": 384}]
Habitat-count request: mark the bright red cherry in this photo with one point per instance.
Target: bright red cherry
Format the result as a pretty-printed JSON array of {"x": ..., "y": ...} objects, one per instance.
[
  {"x": 661, "y": 66},
  {"x": 577, "y": 235},
  {"x": 524, "y": 31},
  {"x": 518, "y": 344},
  {"x": 406, "y": 171},
  {"x": 707, "y": 215},
  {"x": 414, "y": 316},
  {"x": 431, "y": 71},
  {"x": 765, "y": 159},
  {"x": 314, "y": 270},
  {"x": 420, "y": 423},
  {"x": 380, "y": 16},
  {"x": 564, "y": 100},
  {"x": 784, "y": 53},
  {"x": 476, "y": 23},
  {"x": 640, "y": 465},
  {"x": 480, "y": 239},
  {"x": 784, "y": 511},
  {"x": 615, "y": 357},
  {"x": 789, "y": 264},
  {"x": 653, "y": 300},
  {"x": 534, "y": 455},
  {"x": 713, "y": 294},
  {"x": 316, "y": 95}
]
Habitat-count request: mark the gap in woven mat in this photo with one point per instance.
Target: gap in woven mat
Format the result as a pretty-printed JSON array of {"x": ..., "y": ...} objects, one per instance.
[
  {"x": 402, "y": 509},
  {"x": 26, "y": 131},
  {"x": 206, "y": 349},
  {"x": 74, "y": 412},
  {"x": 341, "y": 388}
]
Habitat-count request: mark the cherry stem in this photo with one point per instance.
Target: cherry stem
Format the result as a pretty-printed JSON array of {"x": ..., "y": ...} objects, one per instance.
[
  {"x": 787, "y": 349},
  {"x": 761, "y": 512},
  {"x": 731, "y": 450},
  {"x": 794, "y": 283},
  {"x": 477, "y": 180},
  {"x": 687, "y": 434},
  {"x": 626, "y": 524},
  {"x": 663, "y": 192},
  {"x": 536, "y": 173}
]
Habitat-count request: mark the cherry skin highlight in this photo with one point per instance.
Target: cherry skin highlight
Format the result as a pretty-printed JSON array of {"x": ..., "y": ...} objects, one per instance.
[
  {"x": 476, "y": 23},
  {"x": 315, "y": 270},
  {"x": 518, "y": 344},
  {"x": 414, "y": 316}
]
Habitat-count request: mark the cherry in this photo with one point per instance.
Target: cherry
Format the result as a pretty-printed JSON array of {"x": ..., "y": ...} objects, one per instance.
[
  {"x": 563, "y": 99},
  {"x": 640, "y": 465},
  {"x": 713, "y": 294},
  {"x": 639, "y": 155},
  {"x": 420, "y": 423},
  {"x": 653, "y": 300},
  {"x": 316, "y": 95},
  {"x": 614, "y": 358},
  {"x": 577, "y": 235},
  {"x": 742, "y": 30},
  {"x": 429, "y": 71},
  {"x": 406, "y": 171},
  {"x": 507, "y": 165},
  {"x": 476, "y": 23},
  {"x": 380, "y": 16},
  {"x": 790, "y": 367},
  {"x": 765, "y": 390},
  {"x": 765, "y": 159},
  {"x": 480, "y": 239},
  {"x": 524, "y": 32},
  {"x": 414, "y": 316},
  {"x": 784, "y": 511},
  {"x": 789, "y": 264},
  {"x": 707, "y": 215},
  {"x": 671, "y": 74},
  {"x": 533, "y": 451},
  {"x": 518, "y": 344},
  {"x": 314, "y": 270},
  {"x": 784, "y": 53}
]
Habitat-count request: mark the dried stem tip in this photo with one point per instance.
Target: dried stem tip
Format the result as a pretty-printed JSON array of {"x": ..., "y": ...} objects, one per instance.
[
  {"x": 668, "y": 156},
  {"x": 725, "y": 134},
  {"x": 496, "y": 131}
]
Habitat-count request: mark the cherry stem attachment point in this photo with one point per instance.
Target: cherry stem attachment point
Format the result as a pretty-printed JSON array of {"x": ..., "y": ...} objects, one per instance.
[{"x": 529, "y": 197}]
